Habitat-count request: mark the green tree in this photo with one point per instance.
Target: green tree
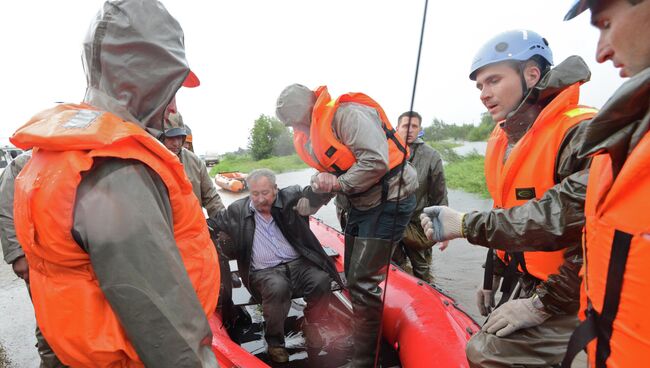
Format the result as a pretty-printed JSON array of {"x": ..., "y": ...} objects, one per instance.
[
  {"x": 282, "y": 139},
  {"x": 483, "y": 130},
  {"x": 269, "y": 137}
]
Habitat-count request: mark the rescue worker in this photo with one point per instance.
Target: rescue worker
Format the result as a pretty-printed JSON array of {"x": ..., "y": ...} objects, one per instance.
[
  {"x": 279, "y": 257},
  {"x": 431, "y": 191},
  {"x": 13, "y": 252},
  {"x": 615, "y": 235},
  {"x": 121, "y": 266},
  {"x": 174, "y": 138},
  {"x": 351, "y": 143},
  {"x": 529, "y": 151},
  {"x": 188, "y": 139}
]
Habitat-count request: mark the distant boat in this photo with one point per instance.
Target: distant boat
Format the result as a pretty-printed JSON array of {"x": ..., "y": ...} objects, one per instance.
[{"x": 233, "y": 181}]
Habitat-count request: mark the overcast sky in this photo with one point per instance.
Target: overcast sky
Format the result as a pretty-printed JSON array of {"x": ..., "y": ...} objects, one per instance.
[{"x": 246, "y": 52}]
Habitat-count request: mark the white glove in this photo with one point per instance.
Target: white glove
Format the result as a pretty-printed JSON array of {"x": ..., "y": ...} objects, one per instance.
[
  {"x": 441, "y": 223},
  {"x": 304, "y": 208},
  {"x": 325, "y": 183},
  {"x": 515, "y": 315},
  {"x": 485, "y": 298}
]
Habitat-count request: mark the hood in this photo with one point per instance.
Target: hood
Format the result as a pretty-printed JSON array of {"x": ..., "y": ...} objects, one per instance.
[
  {"x": 134, "y": 59},
  {"x": 294, "y": 105},
  {"x": 569, "y": 72},
  {"x": 622, "y": 122}
]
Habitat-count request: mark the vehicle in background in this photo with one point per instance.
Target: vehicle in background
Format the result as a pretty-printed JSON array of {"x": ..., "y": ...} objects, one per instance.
[{"x": 210, "y": 159}]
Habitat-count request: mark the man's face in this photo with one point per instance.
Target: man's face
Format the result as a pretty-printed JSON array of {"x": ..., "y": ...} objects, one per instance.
[
  {"x": 622, "y": 36},
  {"x": 501, "y": 91},
  {"x": 263, "y": 193},
  {"x": 403, "y": 126},
  {"x": 174, "y": 144}
]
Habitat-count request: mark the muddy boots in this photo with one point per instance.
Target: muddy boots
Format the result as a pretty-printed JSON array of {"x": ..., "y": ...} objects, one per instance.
[{"x": 366, "y": 266}]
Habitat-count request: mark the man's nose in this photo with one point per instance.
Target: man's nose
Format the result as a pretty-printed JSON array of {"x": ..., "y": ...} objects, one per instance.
[
  {"x": 603, "y": 51},
  {"x": 486, "y": 93}
]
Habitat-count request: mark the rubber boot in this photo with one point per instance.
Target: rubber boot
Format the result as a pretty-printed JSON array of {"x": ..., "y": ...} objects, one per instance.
[{"x": 368, "y": 262}]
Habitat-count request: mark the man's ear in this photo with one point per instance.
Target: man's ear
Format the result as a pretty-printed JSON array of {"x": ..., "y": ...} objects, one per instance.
[{"x": 532, "y": 74}]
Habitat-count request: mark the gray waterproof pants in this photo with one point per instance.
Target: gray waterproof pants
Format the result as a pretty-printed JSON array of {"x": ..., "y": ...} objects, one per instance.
[
  {"x": 535, "y": 347},
  {"x": 420, "y": 261}
]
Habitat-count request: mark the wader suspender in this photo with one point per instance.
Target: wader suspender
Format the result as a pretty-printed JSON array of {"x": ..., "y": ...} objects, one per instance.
[
  {"x": 600, "y": 326},
  {"x": 510, "y": 277}
]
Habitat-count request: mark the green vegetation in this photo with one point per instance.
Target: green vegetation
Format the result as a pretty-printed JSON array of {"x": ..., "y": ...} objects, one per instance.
[
  {"x": 269, "y": 137},
  {"x": 466, "y": 173},
  {"x": 245, "y": 163},
  {"x": 446, "y": 150},
  {"x": 439, "y": 130},
  {"x": 461, "y": 172}
]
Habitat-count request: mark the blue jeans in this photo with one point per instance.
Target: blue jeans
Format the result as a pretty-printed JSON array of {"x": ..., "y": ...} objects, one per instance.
[{"x": 386, "y": 221}]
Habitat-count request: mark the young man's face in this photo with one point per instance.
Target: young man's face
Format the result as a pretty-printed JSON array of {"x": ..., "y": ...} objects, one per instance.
[
  {"x": 403, "y": 126},
  {"x": 500, "y": 86},
  {"x": 623, "y": 35},
  {"x": 263, "y": 193}
]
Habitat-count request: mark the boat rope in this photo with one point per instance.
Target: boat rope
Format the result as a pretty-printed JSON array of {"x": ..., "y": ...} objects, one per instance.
[{"x": 401, "y": 177}]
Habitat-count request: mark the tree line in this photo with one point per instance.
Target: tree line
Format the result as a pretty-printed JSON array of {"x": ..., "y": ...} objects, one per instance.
[
  {"x": 439, "y": 130},
  {"x": 269, "y": 137}
]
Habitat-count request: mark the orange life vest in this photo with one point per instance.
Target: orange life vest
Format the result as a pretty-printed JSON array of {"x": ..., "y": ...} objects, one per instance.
[
  {"x": 324, "y": 152},
  {"x": 70, "y": 308},
  {"x": 529, "y": 170},
  {"x": 617, "y": 261}
]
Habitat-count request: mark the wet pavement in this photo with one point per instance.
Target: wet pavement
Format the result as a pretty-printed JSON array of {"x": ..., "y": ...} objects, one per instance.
[{"x": 457, "y": 271}]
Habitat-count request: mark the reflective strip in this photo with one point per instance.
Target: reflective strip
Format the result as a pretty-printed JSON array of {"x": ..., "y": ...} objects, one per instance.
[
  {"x": 331, "y": 103},
  {"x": 580, "y": 111}
]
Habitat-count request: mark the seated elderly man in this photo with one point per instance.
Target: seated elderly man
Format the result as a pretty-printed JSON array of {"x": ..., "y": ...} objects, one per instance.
[{"x": 278, "y": 255}]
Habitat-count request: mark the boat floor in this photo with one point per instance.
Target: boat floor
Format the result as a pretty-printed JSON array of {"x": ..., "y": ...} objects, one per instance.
[{"x": 248, "y": 331}]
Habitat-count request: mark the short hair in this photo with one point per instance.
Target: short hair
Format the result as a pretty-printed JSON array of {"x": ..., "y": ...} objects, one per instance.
[
  {"x": 410, "y": 114},
  {"x": 258, "y": 173}
]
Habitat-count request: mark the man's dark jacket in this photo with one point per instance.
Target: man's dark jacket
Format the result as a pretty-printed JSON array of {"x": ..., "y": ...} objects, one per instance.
[{"x": 238, "y": 221}]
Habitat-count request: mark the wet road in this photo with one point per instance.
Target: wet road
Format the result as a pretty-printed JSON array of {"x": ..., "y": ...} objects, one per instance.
[{"x": 457, "y": 271}]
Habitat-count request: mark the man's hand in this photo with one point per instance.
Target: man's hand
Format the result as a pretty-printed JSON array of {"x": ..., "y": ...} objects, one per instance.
[
  {"x": 485, "y": 298},
  {"x": 325, "y": 183},
  {"x": 304, "y": 208},
  {"x": 21, "y": 268},
  {"x": 515, "y": 315},
  {"x": 441, "y": 223}
]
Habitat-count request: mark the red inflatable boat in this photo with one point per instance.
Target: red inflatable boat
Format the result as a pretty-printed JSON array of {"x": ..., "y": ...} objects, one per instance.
[{"x": 422, "y": 327}]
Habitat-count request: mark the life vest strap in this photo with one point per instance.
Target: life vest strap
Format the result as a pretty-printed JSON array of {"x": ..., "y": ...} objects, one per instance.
[
  {"x": 390, "y": 134},
  {"x": 510, "y": 277},
  {"x": 601, "y": 325}
]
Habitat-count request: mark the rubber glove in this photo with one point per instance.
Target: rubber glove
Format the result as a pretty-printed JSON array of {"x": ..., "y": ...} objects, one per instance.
[
  {"x": 325, "y": 183},
  {"x": 304, "y": 208},
  {"x": 485, "y": 298},
  {"x": 515, "y": 315},
  {"x": 441, "y": 223}
]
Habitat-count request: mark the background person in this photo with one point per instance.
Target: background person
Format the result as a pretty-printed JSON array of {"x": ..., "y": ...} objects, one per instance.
[
  {"x": 431, "y": 191},
  {"x": 174, "y": 138}
]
